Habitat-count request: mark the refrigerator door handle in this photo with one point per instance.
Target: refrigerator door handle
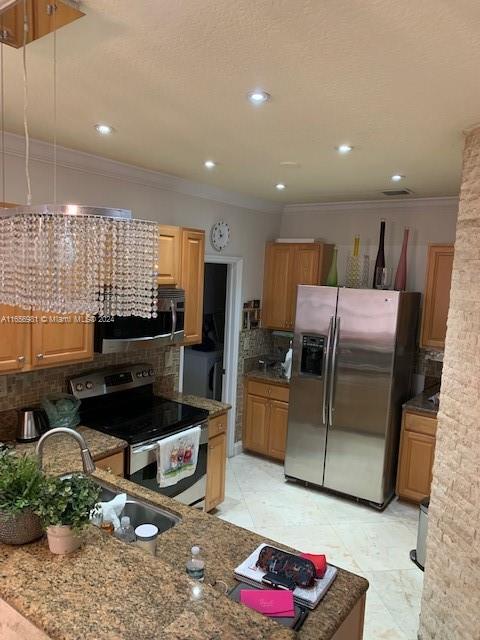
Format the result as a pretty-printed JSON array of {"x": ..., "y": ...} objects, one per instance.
[
  {"x": 326, "y": 369},
  {"x": 334, "y": 372}
]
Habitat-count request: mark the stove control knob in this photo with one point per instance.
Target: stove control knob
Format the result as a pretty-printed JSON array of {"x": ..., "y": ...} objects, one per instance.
[
  {"x": 79, "y": 386},
  {"x": 144, "y": 373},
  {"x": 151, "y": 372},
  {"x": 139, "y": 374},
  {"x": 89, "y": 385}
]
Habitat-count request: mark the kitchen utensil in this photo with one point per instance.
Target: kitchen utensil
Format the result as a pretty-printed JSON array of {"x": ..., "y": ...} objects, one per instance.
[{"x": 32, "y": 422}]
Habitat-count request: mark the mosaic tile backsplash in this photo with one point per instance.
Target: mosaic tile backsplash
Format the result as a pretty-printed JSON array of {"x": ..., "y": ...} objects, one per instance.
[{"x": 24, "y": 389}]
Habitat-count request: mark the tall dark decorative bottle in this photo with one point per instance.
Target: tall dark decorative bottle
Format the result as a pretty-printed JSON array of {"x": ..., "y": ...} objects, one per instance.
[{"x": 380, "y": 261}]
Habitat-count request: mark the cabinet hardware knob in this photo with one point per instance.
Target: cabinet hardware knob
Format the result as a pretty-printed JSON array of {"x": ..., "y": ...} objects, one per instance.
[
  {"x": 21, "y": 359},
  {"x": 39, "y": 356},
  {"x": 109, "y": 469}
]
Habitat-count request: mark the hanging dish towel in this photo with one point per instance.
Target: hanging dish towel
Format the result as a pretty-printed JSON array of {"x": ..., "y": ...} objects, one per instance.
[{"x": 177, "y": 457}]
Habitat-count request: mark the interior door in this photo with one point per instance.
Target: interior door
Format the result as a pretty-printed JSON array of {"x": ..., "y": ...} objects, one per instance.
[
  {"x": 362, "y": 362},
  {"x": 307, "y": 416}
]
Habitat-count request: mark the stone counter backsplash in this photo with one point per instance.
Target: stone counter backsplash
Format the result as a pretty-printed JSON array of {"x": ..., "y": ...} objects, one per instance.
[{"x": 24, "y": 389}]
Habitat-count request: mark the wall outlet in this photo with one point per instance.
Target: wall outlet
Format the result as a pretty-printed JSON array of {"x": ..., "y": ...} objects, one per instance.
[{"x": 3, "y": 386}]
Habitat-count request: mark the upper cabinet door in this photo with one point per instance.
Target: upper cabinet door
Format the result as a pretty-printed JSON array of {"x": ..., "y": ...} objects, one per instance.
[
  {"x": 437, "y": 295},
  {"x": 169, "y": 260},
  {"x": 14, "y": 339},
  {"x": 55, "y": 342},
  {"x": 193, "y": 267},
  {"x": 277, "y": 285},
  {"x": 286, "y": 266},
  {"x": 305, "y": 270}
]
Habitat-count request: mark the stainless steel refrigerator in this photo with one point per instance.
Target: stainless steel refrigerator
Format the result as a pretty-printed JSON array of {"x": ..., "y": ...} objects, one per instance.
[{"x": 353, "y": 352}]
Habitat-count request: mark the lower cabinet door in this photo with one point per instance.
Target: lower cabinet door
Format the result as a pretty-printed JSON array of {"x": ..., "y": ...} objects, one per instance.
[
  {"x": 417, "y": 452},
  {"x": 113, "y": 464},
  {"x": 277, "y": 432},
  {"x": 256, "y": 424},
  {"x": 217, "y": 459}
]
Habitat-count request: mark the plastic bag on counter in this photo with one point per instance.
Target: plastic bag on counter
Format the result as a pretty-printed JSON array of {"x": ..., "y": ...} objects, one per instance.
[{"x": 62, "y": 410}]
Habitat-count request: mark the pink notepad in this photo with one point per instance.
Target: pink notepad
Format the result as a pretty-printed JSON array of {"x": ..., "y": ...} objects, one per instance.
[{"x": 270, "y": 602}]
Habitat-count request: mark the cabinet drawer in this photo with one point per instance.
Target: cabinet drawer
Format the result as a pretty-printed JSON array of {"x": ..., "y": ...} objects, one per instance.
[
  {"x": 113, "y": 464},
  {"x": 276, "y": 392},
  {"x": 420, "y": 424},
  {"x": 217, "y": 425}
]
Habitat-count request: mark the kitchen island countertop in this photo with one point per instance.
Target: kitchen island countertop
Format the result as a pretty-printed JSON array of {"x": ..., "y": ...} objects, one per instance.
[{"x": 108, "y": 590}]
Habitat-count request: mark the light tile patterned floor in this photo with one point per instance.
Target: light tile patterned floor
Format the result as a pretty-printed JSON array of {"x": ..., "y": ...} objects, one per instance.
[{"x": 353, "y": 536}]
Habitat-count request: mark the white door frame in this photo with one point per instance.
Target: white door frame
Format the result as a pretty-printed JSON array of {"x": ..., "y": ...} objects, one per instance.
[{"x": 233, "y": 314}]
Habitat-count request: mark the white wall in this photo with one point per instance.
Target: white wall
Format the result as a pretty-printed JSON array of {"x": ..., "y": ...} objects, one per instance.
[
  {"x": 430, "y": 220},
  {"x": 135, "y": 189}
]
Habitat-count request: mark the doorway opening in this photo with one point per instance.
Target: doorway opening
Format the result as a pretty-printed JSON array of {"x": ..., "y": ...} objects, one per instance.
[
  {"x": 203, "y": 363},
  {"x": 209, "y": 369}
]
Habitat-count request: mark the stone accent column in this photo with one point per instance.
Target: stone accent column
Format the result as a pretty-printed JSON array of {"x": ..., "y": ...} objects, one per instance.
[{"x": 451, "y": 594}]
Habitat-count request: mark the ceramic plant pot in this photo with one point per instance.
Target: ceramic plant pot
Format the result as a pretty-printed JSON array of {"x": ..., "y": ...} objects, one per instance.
[
  {"x": 21, "y": 528},
  {"x": 62, "y": 540}
]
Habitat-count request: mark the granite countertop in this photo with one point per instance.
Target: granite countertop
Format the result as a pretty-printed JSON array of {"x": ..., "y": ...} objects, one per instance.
[
  {"x": 214, "y": 407},
  {"x": 270, "y": 375},
  {"x": 111, "y": 591},
  {"x": 422, "y": 403}
]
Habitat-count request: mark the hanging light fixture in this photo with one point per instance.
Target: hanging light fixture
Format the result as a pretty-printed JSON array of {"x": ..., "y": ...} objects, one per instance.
[{"x": 72, "y": 258}]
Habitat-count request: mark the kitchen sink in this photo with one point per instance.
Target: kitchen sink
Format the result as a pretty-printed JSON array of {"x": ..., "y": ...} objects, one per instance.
[{"x": 139, "y": 512}]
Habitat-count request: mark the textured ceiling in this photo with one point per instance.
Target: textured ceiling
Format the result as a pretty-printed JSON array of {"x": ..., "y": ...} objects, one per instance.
[{"x": 398, "y": 80}]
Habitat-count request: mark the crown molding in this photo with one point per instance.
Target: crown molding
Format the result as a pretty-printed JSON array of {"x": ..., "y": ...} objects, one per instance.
[
  {"x": 83, "y": 162},
  {"x": 446, "y": 202}
]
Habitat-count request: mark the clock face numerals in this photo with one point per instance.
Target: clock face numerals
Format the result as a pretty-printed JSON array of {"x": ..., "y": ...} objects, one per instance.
[{"x": 220, "y": 235}]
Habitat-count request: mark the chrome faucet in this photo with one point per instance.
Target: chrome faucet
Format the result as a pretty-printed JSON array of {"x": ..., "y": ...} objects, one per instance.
[{"x": 87, "y": 460}]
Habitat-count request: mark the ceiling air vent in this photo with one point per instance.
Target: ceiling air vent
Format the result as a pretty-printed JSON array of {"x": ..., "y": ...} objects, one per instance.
[{"x": 397, "y": 192}]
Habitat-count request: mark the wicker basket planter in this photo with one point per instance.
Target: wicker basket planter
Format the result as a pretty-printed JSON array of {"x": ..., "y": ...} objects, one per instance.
[{"x": 20, "y": 528}]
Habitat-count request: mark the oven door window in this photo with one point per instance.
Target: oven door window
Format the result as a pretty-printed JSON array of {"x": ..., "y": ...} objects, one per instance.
[{"x": 146, "y": 476}]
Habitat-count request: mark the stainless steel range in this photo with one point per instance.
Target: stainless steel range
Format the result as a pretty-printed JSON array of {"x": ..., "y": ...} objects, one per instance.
[{"x": 120, "y": 402}]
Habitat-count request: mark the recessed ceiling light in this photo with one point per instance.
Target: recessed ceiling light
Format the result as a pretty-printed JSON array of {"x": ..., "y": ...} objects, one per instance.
[
  {"x": 397, "y": 177},
  {"x": 344, "y": 148},
  {"x": 280, "y": 186},
  {"x": 104, "y": 129},
  {"x": 290, "y": 164},
  {"x": 258, "y": 96},
  {"x": 209, "y": 164}
]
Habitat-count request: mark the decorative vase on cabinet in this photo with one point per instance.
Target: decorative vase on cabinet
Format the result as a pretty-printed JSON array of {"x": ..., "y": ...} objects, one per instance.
[
  {"x": 380, "y": 261},
  {"x": 401, "y": 275},
  {"x": 332, "y": 278}
]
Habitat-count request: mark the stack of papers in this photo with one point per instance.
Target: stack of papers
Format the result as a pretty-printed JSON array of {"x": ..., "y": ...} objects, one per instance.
[{"x": 251, "y": 574}]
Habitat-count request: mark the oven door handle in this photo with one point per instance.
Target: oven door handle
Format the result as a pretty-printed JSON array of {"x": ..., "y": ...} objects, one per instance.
[
  {"x": 173, "y": 307},
  {"x": 150, "y": 446},
  {"x": 145, "y": 447}
]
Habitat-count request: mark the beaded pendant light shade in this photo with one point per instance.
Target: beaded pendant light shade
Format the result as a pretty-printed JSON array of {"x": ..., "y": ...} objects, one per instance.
[{"x": 74, "y": 259}]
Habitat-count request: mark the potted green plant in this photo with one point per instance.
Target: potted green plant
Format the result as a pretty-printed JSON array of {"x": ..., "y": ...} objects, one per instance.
[
  {"x": 20, "y": 485},
  {"x": 64, "y": 507}
]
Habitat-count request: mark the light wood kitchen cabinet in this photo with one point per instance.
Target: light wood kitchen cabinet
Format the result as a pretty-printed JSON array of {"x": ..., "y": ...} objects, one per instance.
[
  {"x": 114, "y": 463},
  {"x": 56, "y": 342},
  {"x": 417, "y": 452},
  {"x": 193, "y": 267},
  {"x": 266, "y": 418},
  {"x": 286, "y": 266},
  {"x": 217, "y": 460},
  {"x": 437, "y": 295},
  {"x": 14, "y": 340},
  {"x": 169, "y": 255},
  {"x": 33, "y": 345}
]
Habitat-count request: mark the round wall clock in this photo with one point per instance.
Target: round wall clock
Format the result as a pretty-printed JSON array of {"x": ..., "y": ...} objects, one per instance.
[{"x": 220, "y": 235}]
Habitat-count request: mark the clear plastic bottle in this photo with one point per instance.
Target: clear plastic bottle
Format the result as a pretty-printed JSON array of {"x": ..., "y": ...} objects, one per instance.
[
  {"x": 196, "y": 566},
  {"x": 125, "y": 532}
]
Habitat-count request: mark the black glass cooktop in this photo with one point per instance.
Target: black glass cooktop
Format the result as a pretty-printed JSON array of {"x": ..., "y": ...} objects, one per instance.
[{"x": 138, "y": 415}]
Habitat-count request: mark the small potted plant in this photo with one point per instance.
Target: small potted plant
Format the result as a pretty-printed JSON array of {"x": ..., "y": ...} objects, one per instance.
[
  {"x": 20, "y": 485},
  {"x": 64, "y": 507}
]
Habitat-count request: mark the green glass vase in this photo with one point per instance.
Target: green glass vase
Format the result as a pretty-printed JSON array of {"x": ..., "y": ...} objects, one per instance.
[{"x": 332, "y": 278}]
